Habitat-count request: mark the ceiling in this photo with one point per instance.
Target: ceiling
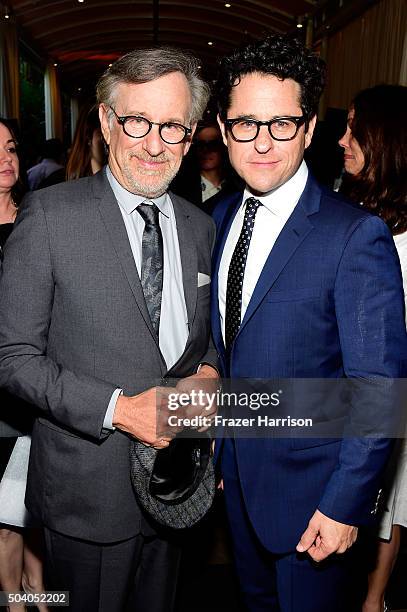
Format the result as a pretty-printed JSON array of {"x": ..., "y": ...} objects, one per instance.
[{"x": 84, "y": 37}]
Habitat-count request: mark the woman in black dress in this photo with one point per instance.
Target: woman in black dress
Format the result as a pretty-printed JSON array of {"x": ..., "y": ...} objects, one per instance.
[{"x": 20, "y": 566}]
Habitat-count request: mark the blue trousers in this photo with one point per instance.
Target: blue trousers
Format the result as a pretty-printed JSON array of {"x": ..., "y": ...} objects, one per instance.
[{"x": 282, "y": 583}]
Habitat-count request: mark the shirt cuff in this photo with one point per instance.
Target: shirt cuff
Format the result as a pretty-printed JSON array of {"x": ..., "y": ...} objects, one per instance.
[
  {"x": 208, "y": 364},
  {"x": 108, "y": 422}
]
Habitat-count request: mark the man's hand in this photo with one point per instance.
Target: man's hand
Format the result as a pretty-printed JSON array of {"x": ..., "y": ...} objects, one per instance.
[
  {"x": 325, "y": 536},
  {"x": 202, "y": 388},
  {"x": 145, "y": 416}
]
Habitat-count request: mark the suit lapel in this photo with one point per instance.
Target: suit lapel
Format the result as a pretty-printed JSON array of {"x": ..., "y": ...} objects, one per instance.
[
  {"x": 292, "y": 235},
  {"x": 114, "y": 224},
  {"x": 295, "y": 231},
  {"x": 231, "y": 207},
  {"x": 189, "y": 258}
]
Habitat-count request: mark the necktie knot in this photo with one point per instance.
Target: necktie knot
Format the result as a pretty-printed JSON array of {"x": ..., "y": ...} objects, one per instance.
[
  {"x": 149, "y": 213},
  {"x": 252, "y": 205}
]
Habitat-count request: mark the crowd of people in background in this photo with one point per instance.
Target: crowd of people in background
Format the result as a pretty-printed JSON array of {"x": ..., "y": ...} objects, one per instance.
[{"x": 373, "y": 179}]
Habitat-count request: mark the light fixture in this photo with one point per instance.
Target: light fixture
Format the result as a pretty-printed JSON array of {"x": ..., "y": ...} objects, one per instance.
[
  {"x": 6, "y": 13},
  {"x": 210, "y": 43},
  {"x": 110, "y": 65},
  {"x": 79, "y": 88},
  {"x": 228, "y": 5},
  {"x": 299, "y": 25},
  {"x": 55, "y": 64},
  {"x": 81, "y": 1}
]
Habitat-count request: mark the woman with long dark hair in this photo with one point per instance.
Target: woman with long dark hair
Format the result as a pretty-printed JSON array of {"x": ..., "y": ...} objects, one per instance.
[
  {"x": 87, "y": 155},
  {"x": 20, "y": 564},
  {"x": 9, "y": 180},
  {"x": 375, "y": 159}
]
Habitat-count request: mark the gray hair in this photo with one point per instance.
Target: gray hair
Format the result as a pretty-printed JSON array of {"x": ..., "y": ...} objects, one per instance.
[{"x": 144, "y": 65}]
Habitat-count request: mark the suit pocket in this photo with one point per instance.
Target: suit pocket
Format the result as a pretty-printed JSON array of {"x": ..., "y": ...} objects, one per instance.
[
  {"x": 204, "y": 291},
  {"x": 57, "y": 428},
  {"x": 294, "y": 295},
  {"x": 305, "y": 443}
]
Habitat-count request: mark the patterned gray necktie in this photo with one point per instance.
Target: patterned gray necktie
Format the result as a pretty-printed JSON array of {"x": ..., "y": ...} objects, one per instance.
[
  {"x": 152, "y": 262},
  {"x": 237, "y": 266}
]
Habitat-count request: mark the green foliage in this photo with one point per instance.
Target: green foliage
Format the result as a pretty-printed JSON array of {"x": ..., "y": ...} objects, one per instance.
[{"x": 32, "y": 110}]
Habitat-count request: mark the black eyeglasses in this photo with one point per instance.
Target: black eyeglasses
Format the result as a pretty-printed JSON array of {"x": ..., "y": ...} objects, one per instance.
[
  {"x": 280, "y": 128},
  {"x": 138, "y": 127}
]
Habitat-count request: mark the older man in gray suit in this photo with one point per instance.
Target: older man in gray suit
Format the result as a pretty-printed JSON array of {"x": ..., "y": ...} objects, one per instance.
[{"x": 104, "y": 295}]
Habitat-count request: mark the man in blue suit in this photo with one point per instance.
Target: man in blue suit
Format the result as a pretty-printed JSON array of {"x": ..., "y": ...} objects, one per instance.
[{"x": 306, "y": 286}]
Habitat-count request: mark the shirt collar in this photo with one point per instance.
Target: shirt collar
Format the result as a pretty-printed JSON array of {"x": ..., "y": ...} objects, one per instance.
[
  {"x": 209, "y": 185},
  {"x": 129, "y": 201},
  {"x": 282, "y": 201}
]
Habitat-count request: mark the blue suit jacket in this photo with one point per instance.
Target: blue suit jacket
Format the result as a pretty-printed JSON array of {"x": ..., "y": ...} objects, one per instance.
[{"x": 328, "y": 304}]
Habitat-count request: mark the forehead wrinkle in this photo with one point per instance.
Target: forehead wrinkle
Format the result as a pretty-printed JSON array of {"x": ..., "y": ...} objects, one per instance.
[
  {"x": 254, "y": 117},
  {"x": 264, "y": 112},
  {"x": 131, "y": 113},
  {"x": 264, "y": 89},
  {"x": 245, "y": 116},
  {"x": 146, "y": 115}
]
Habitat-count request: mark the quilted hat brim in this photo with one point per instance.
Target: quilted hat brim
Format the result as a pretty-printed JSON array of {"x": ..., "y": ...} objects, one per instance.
[{"x": 179, "y": 515}]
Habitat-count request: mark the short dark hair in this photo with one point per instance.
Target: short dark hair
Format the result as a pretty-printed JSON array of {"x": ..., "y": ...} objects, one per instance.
[
  {"x": 275, "y": 55},
  {"x": 379, "y": 127},
  {"x": 207, "y": 123},
  {"x": 53, "y": 149}
]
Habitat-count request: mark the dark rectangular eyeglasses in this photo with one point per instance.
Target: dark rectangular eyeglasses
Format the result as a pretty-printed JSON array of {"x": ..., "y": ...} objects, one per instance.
[{"x": 280, "y": 128}]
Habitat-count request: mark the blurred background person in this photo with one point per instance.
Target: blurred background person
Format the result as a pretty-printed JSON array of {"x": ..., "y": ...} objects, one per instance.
[
  {"x": 50, "y": 170},
  {"x": 375, "y": 161},
  {"x": 87, "y": 155},
  {"x": 209, "y": 151},
  {"x": 9, "y": 175},
  {"x": 206, "y": 175},
  {"x": 20, "y": 564}
]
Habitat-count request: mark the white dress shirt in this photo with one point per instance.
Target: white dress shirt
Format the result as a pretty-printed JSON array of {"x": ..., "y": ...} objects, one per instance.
[
  {"x": 208, "y": 188},
  {"x": 277, "y": 206},
  {"x": 173, "y": 319}
]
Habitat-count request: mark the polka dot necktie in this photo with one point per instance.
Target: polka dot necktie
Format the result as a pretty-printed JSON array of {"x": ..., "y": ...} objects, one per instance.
[
  {"x": 152, "y": 262},
  {"x": 237, "y": 266}
]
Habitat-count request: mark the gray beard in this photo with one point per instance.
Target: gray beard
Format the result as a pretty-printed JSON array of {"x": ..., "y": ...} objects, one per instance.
[{"x": 149, "y": 190}]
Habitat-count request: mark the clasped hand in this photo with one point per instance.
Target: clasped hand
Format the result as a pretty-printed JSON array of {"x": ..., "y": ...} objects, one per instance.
[
  {"x": 202, "y": 389},
  {"x": 146, "y": 416}
]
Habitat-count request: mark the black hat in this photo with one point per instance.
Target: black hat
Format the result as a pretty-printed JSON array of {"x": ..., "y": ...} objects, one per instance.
[{"x": 175, "y": 485}]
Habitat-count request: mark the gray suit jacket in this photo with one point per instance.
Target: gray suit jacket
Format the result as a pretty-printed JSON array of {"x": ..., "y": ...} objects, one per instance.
[{"x": 73, "y": 327}]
